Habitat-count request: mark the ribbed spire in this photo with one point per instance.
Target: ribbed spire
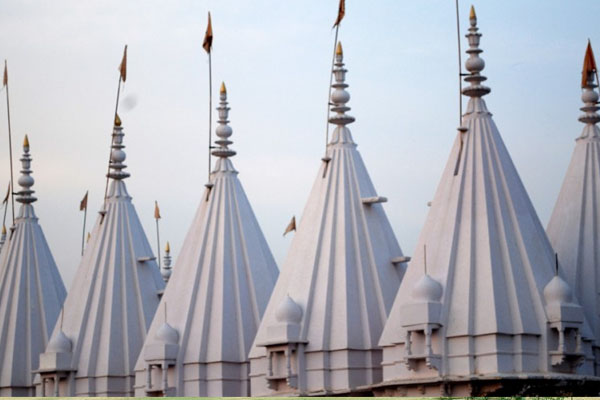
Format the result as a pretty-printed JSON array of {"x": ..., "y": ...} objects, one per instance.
[
  {"x": 166, "y": 268},
  {"x": 474, "y": 63},
  {"x": 118, "y": 155},
  {"x": 26, "y": 180},
  {"x": 224, "y": 131},
  {"x": 340, "y": 96},
  {"x": 589, "y": 96}
]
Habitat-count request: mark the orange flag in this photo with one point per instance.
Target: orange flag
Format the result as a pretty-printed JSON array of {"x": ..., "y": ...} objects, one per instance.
[
  {"x": 7, "y": 194},
  {"x": 208, "y": 36},
  {"x": 5, "y": 80},
  {"x": 123, "y": 66},
  {"x": 341, "y": 13},
  {"x": 83, "y": 203},
  {"x": 291, "y": 226},
  {"x": 589, "y": 64},
  {"x": 156, "y": 210}
]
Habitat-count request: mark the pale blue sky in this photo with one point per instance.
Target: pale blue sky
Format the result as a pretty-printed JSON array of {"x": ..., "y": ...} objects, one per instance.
[{"x": 274, "y": 57}]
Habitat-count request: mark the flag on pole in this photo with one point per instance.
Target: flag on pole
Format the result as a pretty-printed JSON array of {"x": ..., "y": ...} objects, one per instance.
[
  {"x": 83, "y": 203},
  {"x": 589, "y": 64},
  {"x": 7, "y": 195},
  {"x": 208, "y": 36},
  {"x": 156, "y": 210},
  {"x": 123, "y": 66},
  {"x": 291, "y": 226},
  {"x": 5, "y": 79},
  {"x": 341, "y": 13}
]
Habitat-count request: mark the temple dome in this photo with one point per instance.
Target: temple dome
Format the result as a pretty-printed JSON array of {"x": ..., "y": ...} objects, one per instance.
[
  {"x": 427, "y": 290},
  {"x": 289, "y": 311},
  {"x": 167, "y": 334},
  {"x": 59, "y": 343},
  {"x": 558, "y": 291}
]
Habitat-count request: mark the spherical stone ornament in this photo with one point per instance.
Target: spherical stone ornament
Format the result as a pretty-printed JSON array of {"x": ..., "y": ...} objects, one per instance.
[
  {"x": 427, "y": 290},
  {"x": 289, "y": 311}
]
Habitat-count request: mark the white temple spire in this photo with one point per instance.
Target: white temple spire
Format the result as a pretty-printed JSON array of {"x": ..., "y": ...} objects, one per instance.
[
  {"x": 31, "y": 292},
  {"x": 222, "y": 281},
  {"x": 112, "y": 300},
  {"x": 574, "y": 227},
  {"x": 320, "y": 330},
  {"x": 490, "y": 307}
]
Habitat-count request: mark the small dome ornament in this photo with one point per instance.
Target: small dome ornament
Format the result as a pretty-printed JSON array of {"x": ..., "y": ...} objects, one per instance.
[
  {"x": 166, "y": 334},
  {"x": 427, "y": 290},
  {"x": 59, "y": 343},
  {"x": 289, "y": 311}
]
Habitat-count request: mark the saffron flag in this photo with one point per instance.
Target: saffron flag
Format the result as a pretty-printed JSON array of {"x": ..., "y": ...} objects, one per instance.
[
  {"x": 156, "y": 211},
  {"x": 5, "y": 80},
  {"x": 341, "y": 13},
  {"x": 291, "y": 226},
  {"x": 83, "y": 203},
  {"x": 7, "y": 194},
  {"x": 208, "y": 36},
  {"x": 123, "y": 66},
  {"x": 589, "y": 64}
]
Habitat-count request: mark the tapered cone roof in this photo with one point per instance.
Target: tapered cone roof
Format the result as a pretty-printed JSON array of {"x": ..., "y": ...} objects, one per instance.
[
  {"x": 218, "y": 291},
  {"x": 113, "y": 297},
  {"x": 574, "y": 228},
  {"x": 340, "y": 275},
  {"x": 31, "y": 294},
  {"x": 488, "y": 255}
]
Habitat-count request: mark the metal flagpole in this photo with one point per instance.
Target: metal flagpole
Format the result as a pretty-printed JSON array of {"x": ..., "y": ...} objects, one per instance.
[
  {"x": 209, "y": 114},
  {"x": 12, "y": 187},
  {"x": 83, "y": 233},
  {"x": 461, "y": 129},
  {"x": 111, "y": 142}
]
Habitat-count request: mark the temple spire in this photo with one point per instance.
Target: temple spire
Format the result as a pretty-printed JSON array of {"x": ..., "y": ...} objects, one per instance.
[
  {"x": 26, "y": 181},
  {"x": 339, "y": 96},
  {"x": 117, "y": 156}
]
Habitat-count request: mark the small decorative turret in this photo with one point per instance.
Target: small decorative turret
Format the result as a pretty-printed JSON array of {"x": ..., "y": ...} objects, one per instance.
[
  {"x": 26, "y": 181},
  {"x": 589, "y": 96},
  {"x": 339, "y": 97},
  {"x": 117, "y": 155},
  {"x": 224, "y": 131},
  {"x": 166, "y": 269},
  {"x": 474, "y": 63}
]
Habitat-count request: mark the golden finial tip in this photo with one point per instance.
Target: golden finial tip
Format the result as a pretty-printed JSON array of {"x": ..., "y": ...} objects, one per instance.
[
  {"x": 4, "y": 229},
  {"x": 117, "y": 120},
  {"x": 26, "y": 141},
  {"x": 223, "y": 88},
  {"x": 89, "y": 235},
  {"x": 338, "y": 49},
  {"x": 168, "y": 248},
  {"x": 472, "y": 14}
]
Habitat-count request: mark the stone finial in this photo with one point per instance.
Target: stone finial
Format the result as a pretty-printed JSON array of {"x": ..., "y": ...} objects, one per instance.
[
  {"x": 474, "y": 63},
  {"x": 339, "y": 96},
  {"x": 26, "y": 181},
  {"x": 117, "y": 156},
  {"x": 589, "y": 95},
  {"x": 223, "y": 130},
  {"x": 166, "y": 268}
]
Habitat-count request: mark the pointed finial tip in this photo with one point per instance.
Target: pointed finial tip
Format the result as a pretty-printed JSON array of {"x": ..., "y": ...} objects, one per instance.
[
  {"x": 168, "y": 248},
  {"x": 117, "y": 120},
  {"x": 472, "y": 14},
  {"x": 223, "y": 88},
  {"x": 26, "y": 141},
  {"x": 4, "y": 229},
  {"x": 338, "y": 50}
]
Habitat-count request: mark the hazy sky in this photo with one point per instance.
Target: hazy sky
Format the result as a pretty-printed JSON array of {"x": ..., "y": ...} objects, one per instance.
[{"x": 274, "y": 57}]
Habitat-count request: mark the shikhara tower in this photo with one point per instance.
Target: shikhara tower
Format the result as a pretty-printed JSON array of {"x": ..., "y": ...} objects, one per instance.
[
  {"x": 485, "y": 314},
  {"x": 199, "y": 340},
  {"x": 574, "y": 228},
  {"x": 111, "y": 303},
  {"x": 31, "y": 293},
  {"x": 320, "y": 330}
]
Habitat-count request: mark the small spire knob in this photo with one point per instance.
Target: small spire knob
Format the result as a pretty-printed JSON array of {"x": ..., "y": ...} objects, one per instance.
[
  {"x": 339, "y": 96},
  {"x": 26, "y": 181},
  {"x": 223, "y": 130}
]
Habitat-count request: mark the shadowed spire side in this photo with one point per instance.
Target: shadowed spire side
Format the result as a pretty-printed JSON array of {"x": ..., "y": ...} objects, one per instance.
[{"x": 31, "y": 292}]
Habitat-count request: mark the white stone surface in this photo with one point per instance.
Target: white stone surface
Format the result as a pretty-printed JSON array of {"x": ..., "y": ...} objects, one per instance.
[
  {"x": 31, "y": 294},
  {"x": 487, "y": 249},
  {"x": 574, "y": 227},
  {"x": 217, "y": 294},
  {"x": 111, "y": 302},
  {"x": 320, "y": 330}
]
